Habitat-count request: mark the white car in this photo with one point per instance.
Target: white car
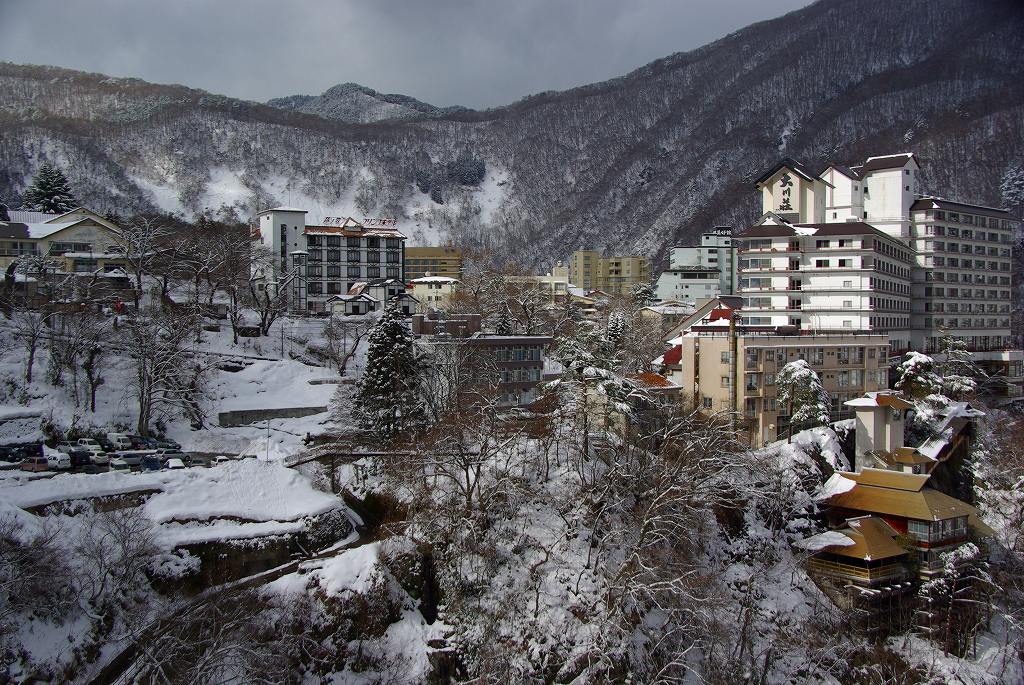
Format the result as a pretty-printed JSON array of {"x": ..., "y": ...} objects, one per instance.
[
  {"x": 57, "y": 460},
  {"x": 119, "y": 465},
  {"x": 221, "y": 459},
  {"x": 98, "y": 455},
  {"x": 174, "y": 464}
]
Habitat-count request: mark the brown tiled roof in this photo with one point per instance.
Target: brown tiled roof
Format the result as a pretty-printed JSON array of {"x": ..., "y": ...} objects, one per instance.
[
  {"x": 847, "y": 228},
  {"x": 349, "y": 233},
  {"x": 872, "y": 539},
  {"x": 845, "y": 171},
  {"x": 767, "y": 231},
  {"x": 886, "y": 162},
  {"x": 791, "y": 163},
  {"x": 651, "y": 380},
  {"x": 898, "y": 494},
  {"x": 926, "y": 202}
]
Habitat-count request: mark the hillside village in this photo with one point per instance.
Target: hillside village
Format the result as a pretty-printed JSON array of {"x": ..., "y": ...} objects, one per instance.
[{"x": 300, "y": 449}]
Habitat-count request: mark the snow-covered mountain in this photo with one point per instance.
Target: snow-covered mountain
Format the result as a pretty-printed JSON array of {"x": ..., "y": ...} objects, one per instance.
[
  {"x": 636, "y": 163},
  {"x": 353, "y": 103}
]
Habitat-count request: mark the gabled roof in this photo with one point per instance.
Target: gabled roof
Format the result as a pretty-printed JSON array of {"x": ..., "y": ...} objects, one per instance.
[
  {"x": 931, "y": 202},
  {"x": 894, "y": 493},
  {"x": 880, "y": 399},
  {"x": 791, "y": 164},
  {"x": 673, "y": 356},
  {"x": 869, "y": 539},
  {"x": 652, "y": 381},
  {"x": 844, "y": 170},
  {"x": 283, "y": 209},
  {"x": 887, "y": 162}
]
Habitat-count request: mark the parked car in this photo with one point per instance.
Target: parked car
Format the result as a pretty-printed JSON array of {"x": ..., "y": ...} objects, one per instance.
[
  {"x": 21, "y": 452},
  {"x": 57, "y": 460},
  {"x": 133, "y": 457},
  {"x": 166, "y": 454},
  {"x": 221, "y": 459},
  {"x": 120, "y": 441},
  {"x": 35, "y": 464},
  {"x": 167, "y": 444},
  {"x": 141, "y": 443},
  {"x": 118, "y": 464},
  {"x": 98, "y": 455},
  {"x": 106, "y": 444},
  {"x": 195, "y": 460},
  {"x": 79, "y": 455},
  {"x": 174, "y": 464},
  {"x": 151, "y": 463}
]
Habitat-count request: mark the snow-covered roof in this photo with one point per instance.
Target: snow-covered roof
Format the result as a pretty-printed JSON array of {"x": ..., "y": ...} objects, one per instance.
[
  {"x": 38, "y": 231},
  {"x": 283, "y": 209},
  {"x": 434, "y": 279},
  {"x": 882, "y": 398},
  {"x": 25, "y": 217}
]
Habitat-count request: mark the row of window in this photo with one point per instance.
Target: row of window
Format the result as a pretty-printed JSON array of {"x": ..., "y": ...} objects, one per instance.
[
  {"x": 352, "y": 243},
  {"x": 956, "y": 262},
  {"x": 815, "y": 356},
  {"x": 517, "y": 354},
  {"x": 934, "y": 531},
  {"x": 520, "y": 375},
  {"x": 965, "y": 248},
  {"x": 970, "y": 219},
  {"x": 887, "y": 322},
  {"x": 373, "y": 257},
  {"x": 956, "y": 308},
  {"x": 968, "y": 323}
]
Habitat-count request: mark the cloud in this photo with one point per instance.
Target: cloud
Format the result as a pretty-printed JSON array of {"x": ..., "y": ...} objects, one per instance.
[{"x": 471, "y": 52}]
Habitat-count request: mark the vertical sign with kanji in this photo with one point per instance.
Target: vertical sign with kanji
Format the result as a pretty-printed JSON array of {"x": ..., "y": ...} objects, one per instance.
[{"x": 786, "y": 185}]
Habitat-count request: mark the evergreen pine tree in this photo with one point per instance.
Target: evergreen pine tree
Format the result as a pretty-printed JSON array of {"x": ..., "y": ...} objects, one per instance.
[
  {"x": 4, "y": 215},
  {"x": 49, "y": 191},
  {"x": 644, "y": 295},
  {"x": 388, "y": 400},
  {"x": 503, "y": 325},
  {"x": 800, "y": 390},
  {"x": 959, "y": 372},
  {"x": 616, "y": 329},
  {"x": 917, "y": 378}
]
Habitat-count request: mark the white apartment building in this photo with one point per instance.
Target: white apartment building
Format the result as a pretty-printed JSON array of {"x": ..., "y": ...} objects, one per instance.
[
  {"x": 323, "y": 260},
  {"x": 858, "y": 248},
  {"x": 703, "y": 271}
]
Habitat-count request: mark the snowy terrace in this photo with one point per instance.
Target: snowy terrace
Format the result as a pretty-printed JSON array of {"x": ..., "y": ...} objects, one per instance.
[{"x": 241, "y": 499}]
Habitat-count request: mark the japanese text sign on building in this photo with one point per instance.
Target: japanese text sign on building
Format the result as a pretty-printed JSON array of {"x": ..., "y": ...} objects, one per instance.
[
  {"x": 786, "y": 184},
  {"x": 380, "y": 222}
]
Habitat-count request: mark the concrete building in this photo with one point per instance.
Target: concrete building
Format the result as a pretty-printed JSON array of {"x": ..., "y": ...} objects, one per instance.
[
  {"x": 703, "y": 271},
  {"x": 438, "y": 261},
  {"x": 432, "y": 292},
  {"x": 79, "y": 241},
  {"x": 615, "y": 275},
  {"x": 727, "y": 367},
  {"x": 848, "y": 275},
  {"x": 328, "y": 259}
]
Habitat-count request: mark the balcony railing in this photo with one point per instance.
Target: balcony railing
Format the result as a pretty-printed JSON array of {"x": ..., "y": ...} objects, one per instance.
[{"x": 870, "y": 575}]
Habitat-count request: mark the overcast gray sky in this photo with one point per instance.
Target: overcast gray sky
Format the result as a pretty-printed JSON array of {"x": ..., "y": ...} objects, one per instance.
[{"x": 478, "y": 53}]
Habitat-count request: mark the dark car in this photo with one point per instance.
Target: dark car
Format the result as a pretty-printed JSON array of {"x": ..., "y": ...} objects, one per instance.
[
  {"x": 20, "y": 452},
  {"x": 80, "y": 456},
  {"x": 141, "y": 443},
  {"x": 106, "y": 444},
  {"x": 166, "y": 444}
]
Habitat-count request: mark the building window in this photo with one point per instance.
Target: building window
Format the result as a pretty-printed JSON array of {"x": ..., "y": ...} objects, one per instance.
[
  {"x": 393, "y": 243},
  {"x": 334, "y": 255},
  {"x": 707, "y": 402},
  {"x": 353, "y": 272},
  {"x": 315, "y": 288},
  {"x": 352, "y": 243},
  {"x": 725, "y": 381},
  {"x": 333, "y": 271},
  {"x": 353, "y": 255},
  {"x": 373, "y": 272},
  {"x": 334, "y": 241},
  {"x": 392, "y": 257}
]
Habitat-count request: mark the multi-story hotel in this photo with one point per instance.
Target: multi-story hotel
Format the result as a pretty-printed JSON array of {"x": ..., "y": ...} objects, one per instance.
[
  {"x": 437, "y": 261},
  {"x": 615, "y": 275},
  {"x": 857, "y": 249},
  {"x": 327, "y": 259},
  {"x": 703, "y": 271},
  {"x": 723, "y": 365}
]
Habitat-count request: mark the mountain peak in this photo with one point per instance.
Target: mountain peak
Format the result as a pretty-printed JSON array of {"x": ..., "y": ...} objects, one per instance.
[{"x": 354, "y": 103}]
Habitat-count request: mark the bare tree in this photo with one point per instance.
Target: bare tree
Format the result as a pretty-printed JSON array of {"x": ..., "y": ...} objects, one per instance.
[
  {"x": 342, "y": 337},
  {"x": 30, "y": 327},
  {"x": 141, "y": 241},
  {"x": 167, "y": 375},
  {"x": 268, "y": 297}
]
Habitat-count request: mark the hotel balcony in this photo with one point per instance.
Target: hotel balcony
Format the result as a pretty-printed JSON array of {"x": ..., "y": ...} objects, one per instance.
[{"x": 860, "y": 575}]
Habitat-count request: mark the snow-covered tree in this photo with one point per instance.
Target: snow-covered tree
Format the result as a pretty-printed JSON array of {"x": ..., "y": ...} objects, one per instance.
[
  {"x": 503, "y": 324},
  {"x": 615, "y": 329},
  {"x": 959, "y": 372},
  {"x": 917, "y": 378},
  {"x": 49, "y": 191},
  {"x": 643, "y": 295},
  {"x": 388, "y": 400},
  {"x": 139, "y": 242},
  {"x": 955, "y": 604},
  {"x": 800, "y": 390},
  {"x": 166, "y": 374},
  {"x": 4, "y": 212}
]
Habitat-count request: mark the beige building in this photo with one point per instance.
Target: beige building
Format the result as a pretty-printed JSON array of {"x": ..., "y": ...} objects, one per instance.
[
  {"x": 555, "y": 283},
  {"x": 438, "y": 261},
  {"x": 81, "y": 240},
  {"x": 724, "y": 367},
  {"x": 615, "y": 275},
  {"x": 432, "y": 292}
]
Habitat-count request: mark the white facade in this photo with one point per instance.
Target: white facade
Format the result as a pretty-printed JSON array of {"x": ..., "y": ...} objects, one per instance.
[
  {"x": 327, "y": 260},
  {"x": 880, "y": 260},
  {"x": 703, "y": 271}
]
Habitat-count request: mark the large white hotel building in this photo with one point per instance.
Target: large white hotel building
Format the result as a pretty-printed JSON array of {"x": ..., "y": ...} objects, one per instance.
[{"x": 858, "y": 249}]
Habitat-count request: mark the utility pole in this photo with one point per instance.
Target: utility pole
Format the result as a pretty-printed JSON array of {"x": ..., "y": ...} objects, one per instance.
[{"x": 282, "y": 339}]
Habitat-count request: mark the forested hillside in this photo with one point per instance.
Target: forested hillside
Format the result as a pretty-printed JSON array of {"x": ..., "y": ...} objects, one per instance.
[{"x": 636, "y": 163}]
